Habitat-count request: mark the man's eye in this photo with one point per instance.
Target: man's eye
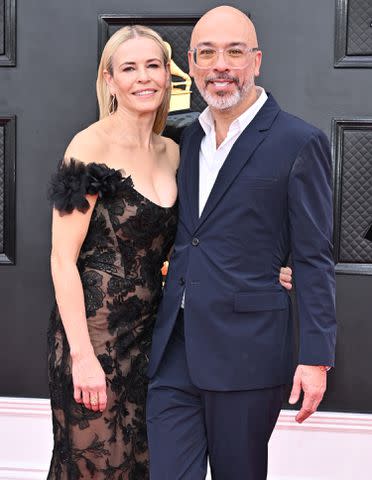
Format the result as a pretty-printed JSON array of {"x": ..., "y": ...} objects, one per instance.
[
  {"x": 207, "y": 52},
  {"x": 235, "y": 52}
]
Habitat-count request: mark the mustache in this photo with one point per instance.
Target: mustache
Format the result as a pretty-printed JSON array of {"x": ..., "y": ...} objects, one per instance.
[{"x": 221, "y": 76}]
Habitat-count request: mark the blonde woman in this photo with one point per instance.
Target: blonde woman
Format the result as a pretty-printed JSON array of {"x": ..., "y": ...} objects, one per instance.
[{"x": 114, "y": 221}]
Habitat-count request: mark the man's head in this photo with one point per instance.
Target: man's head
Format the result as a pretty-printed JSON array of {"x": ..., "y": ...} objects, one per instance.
[{"x": 224, "y": 58}]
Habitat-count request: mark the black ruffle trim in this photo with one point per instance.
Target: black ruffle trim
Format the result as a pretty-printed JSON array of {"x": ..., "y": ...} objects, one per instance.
[{"x": 76, "y": 179}]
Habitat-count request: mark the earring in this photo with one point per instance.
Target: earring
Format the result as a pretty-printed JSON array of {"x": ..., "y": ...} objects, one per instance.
[{"x": 112, "y": 107}]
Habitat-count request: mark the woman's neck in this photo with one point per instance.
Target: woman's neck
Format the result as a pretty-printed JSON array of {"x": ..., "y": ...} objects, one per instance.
[{"x": 131, "y": 128}]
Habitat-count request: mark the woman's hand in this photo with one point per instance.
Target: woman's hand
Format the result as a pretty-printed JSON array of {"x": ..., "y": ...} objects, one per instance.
[
  {"x": 89, "y": 381},
  {"x": 285, "y": 277}
]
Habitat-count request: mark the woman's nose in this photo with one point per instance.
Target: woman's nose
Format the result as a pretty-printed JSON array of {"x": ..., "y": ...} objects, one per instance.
[{"x": 143, "y": 75}]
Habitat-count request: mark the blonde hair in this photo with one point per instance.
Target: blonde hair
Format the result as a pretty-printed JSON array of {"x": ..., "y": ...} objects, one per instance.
[{"x": 105, "y": 99}]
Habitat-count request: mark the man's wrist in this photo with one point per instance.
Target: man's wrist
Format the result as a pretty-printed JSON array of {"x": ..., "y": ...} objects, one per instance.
[{"x": 324, "y": 368}]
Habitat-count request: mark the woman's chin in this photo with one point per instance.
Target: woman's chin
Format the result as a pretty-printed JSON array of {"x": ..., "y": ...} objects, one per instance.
[{"x": 150, "y": 107}]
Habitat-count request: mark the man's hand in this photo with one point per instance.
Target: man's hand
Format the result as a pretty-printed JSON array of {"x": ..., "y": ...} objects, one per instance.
[{"x": 312, "y": 379}]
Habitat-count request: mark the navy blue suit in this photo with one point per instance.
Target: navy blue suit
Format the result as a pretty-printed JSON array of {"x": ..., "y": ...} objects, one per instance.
[{"x": 272, "y": 198}]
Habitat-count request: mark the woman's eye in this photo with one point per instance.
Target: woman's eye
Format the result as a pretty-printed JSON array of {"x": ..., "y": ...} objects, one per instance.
[
  {"x": 153, "y": 65},
  {"x": 128, "y": 69}
]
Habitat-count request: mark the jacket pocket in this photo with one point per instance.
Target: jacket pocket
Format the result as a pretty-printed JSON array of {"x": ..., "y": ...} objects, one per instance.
[
  {"x": 260, "y": 301},
  {"x": 257, "y": 182}
]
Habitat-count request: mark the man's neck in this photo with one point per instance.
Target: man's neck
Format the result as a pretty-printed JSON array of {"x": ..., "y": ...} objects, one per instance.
[{"x": 224, "y": 118}]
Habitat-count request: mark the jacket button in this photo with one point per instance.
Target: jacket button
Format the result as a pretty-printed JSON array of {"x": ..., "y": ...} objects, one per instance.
[
  {"x": 195, "y": 242},
  {"x": 181, "y": 281}
]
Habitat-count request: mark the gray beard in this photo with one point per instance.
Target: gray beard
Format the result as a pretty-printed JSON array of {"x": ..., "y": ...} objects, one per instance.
[{"x": 224, "y": 101}]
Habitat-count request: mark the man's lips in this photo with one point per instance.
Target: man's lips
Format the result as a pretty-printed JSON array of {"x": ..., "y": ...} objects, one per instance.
[{"x": 218, "y": 82}]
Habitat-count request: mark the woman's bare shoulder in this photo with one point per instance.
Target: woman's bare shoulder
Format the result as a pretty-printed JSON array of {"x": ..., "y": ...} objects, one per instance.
[
  {"x": 87, "y": 146},
  {"x": 172, "y": 151}
]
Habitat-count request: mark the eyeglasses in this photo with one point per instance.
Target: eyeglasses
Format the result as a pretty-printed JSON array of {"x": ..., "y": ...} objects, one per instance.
[{"x": 234, "y": 57}]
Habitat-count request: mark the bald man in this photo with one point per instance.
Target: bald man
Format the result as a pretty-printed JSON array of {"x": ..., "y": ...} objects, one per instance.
[{"x": 254, "y": 187}]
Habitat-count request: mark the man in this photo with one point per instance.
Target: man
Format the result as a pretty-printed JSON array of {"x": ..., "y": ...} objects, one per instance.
[{"x": 254, "y": 187}]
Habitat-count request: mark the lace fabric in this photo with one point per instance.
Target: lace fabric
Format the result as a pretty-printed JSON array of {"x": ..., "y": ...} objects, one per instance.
[{"x": 120, "y": 263}]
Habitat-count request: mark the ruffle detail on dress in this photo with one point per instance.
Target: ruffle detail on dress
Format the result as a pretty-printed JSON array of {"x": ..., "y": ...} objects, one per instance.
[
  {"x": 103, "y": 180},
  {"x": 74, "y": 180}
]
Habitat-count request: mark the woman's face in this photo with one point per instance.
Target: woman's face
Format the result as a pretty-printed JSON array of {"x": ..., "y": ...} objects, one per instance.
[{"x": 140, "y": 77}]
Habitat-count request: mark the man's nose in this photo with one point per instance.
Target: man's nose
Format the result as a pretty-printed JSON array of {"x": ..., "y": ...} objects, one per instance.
[{"x": 221, "y": 64}]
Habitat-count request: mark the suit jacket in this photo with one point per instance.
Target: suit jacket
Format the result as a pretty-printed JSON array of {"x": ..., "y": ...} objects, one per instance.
[{"x": 272, "y": 198}]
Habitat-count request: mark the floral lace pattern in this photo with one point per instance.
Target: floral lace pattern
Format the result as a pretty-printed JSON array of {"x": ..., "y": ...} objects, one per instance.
[{"x": 120, "y": 264}]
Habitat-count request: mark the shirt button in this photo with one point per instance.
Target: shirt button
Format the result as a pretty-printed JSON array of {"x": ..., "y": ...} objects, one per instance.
[
  {"x": 181, "y": 281},
  {"x": 195, "y": 242}
]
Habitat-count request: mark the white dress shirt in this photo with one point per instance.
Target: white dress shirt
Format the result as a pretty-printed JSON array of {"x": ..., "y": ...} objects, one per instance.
[{"x": 212, "y": 158}]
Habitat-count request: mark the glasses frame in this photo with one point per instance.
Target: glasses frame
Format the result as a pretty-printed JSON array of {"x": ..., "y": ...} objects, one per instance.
[{"x": 219, "y": 51}]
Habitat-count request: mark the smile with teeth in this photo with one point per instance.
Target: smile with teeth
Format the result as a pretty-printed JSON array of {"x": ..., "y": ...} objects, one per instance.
[
  {"x": 221, "y": 83},
  {"x": 143, "y": 93}
]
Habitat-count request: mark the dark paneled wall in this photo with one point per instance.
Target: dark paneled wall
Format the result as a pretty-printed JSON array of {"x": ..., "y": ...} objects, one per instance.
[
  {"x": 352, "y": 152},
  {"x": 7, "y": 189},
  {"x": 353, "y": 46},
  {"x": 51, "y": 91},
  {"x": 8, "y": 32}
]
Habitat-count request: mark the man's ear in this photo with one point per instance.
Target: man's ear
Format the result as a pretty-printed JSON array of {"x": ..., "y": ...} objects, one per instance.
[
  {"x": 191, "y": 63},
  {"x": 257, "y": 66}
]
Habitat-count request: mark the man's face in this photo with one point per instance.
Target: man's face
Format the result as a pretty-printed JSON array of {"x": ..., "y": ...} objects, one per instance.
[{"x": 222, "y": 86}]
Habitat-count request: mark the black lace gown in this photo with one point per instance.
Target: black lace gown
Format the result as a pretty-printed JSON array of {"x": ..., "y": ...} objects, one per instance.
[{"x": 120, "y": 263}]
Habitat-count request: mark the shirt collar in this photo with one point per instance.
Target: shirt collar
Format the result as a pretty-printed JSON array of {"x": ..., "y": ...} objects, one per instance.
[{"x": 239, "y": 124}]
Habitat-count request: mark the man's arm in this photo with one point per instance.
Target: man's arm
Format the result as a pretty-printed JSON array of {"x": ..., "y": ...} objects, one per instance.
[{"x": 311, "y": 213}]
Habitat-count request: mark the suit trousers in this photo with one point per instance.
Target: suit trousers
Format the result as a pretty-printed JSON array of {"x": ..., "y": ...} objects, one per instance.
[{"x": 187, "y": 425}]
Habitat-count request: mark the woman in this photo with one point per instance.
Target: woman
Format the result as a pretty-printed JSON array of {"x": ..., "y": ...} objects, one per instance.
[{"x": 114, "y": 222}]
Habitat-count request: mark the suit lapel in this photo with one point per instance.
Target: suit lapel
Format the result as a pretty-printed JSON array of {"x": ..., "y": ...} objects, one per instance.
[
  {"x": 190, "y": 173},
  {"x": 239, "y": 155}
]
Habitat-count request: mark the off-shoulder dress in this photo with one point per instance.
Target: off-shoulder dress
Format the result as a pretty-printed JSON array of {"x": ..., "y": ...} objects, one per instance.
[{"x": 120, "y": 263}]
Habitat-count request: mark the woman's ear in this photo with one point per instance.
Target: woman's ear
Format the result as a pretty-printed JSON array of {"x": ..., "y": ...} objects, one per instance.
[
  {"x": 109, "y": 81},
  {"x": 169, "y": 75}
]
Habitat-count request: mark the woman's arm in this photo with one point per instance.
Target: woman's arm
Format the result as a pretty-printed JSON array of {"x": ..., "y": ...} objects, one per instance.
[
  {"x": 68, "y": 234},
  {"x": 285, "y": 277}
]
